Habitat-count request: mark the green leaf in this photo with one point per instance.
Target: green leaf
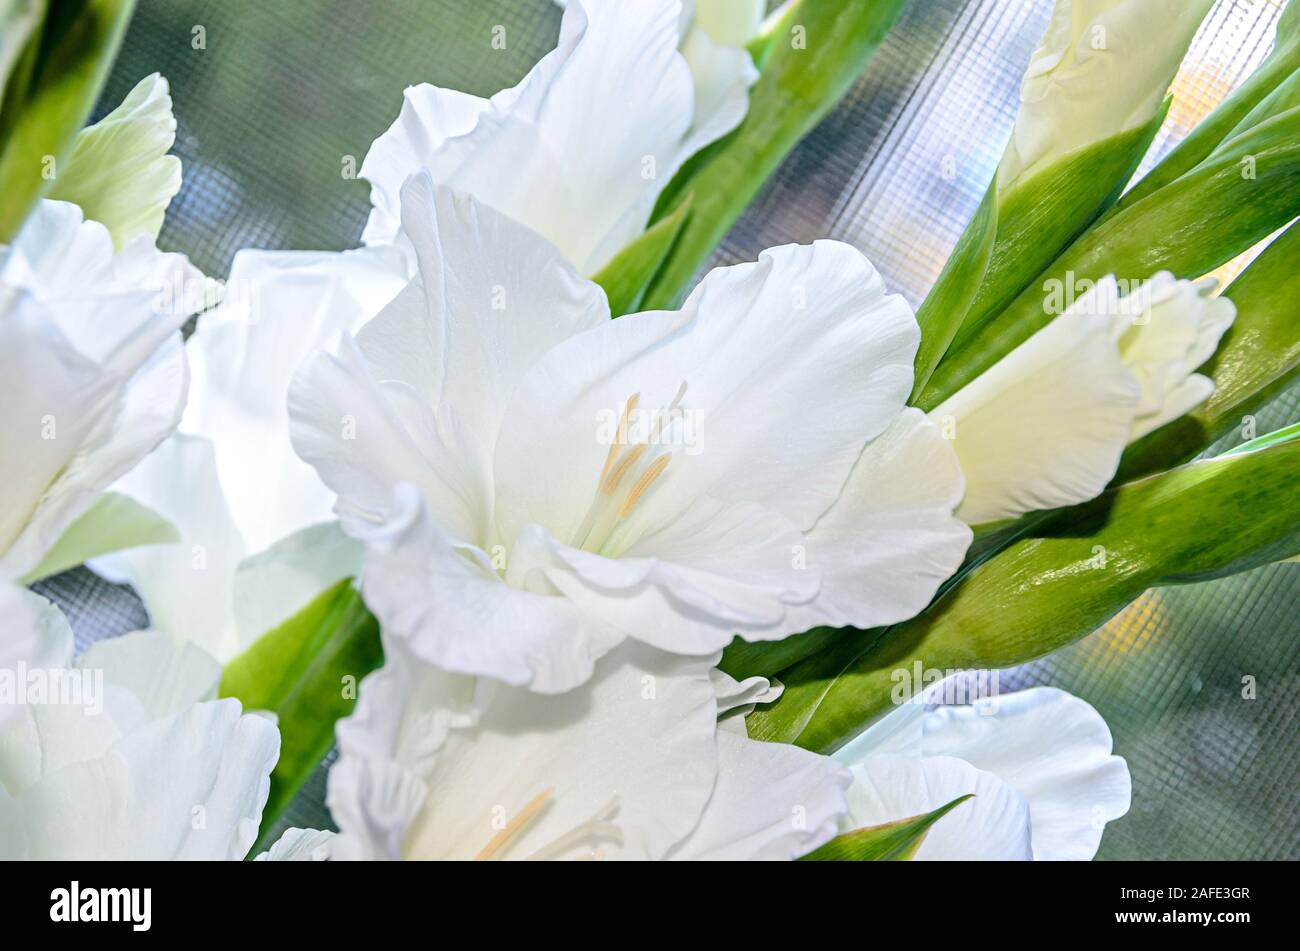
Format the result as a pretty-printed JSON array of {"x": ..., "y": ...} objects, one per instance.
[
  {"x": 944, "y": 309},
  {"x": 119, "y": 172},
  {"x": 306, "y": 672},
  {"x": 1054, "y": 587},
  {"x": 1258, "y": 357},
  {"x": 43, "y": 113},
  {"x": 1279, "y": 66},
  {"x": 805, "y": 73},
  {"x": 1244, "y": 192},
  {"x": 114, "y": 523},
  {"x": 891, "y": 842},
  {"x": 629, "y": 272}
]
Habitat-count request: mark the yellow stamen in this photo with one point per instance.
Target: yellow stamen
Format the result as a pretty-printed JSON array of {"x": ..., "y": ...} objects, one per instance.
[
  {"x": 610, "y": 485},
  {"x": 643, "y": 484},
  {"x": 514, "y": 826},
  {"x": 620, "y": 435}
]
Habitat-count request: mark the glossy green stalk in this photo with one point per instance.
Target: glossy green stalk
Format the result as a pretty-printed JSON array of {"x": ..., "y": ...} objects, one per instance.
[
  {"x": 826, "y": 44},
  {"x": 1205, "y": 520}
]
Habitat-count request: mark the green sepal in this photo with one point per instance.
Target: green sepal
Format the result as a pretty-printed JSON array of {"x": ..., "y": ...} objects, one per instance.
[
  {"x": 1039, "y": 217},
  {"x": 892, "y": 842}
]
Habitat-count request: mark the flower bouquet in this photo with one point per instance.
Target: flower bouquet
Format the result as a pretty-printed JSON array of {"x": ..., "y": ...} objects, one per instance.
[{"x": 549, "y": 542}]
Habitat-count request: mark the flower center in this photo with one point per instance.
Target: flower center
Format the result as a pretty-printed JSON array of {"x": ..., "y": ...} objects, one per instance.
[
  {"x": 638, "y": 455},
  {"x": 598, "y": 826}
]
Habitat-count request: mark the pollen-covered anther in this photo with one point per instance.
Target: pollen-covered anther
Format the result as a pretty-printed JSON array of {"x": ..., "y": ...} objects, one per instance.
[
  {"x": 641, "y": 463},
  {"x": 515, "y": 826},
  {"x": 642, "y": 485}
]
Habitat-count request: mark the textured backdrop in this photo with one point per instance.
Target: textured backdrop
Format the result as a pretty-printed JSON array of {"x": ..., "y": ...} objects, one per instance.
[{"x": 284, "y": 92}]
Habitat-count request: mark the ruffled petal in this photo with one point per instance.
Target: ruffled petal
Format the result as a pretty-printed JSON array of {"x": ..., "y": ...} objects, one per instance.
[
  {"x": 772, "y": 802},
  {"x": 993, "y": 826},
  {"x": 891, "y": 539},
  {"x": 1052, "y": 748},
  {"x": 300, "y": 845},
  {"x": 756, "y": 345},
  {"x": 621, "y": 767},
  {"x": 562, "y": 152},
  {"x": 452, "y": 609},
  {"x": 187, "y": 786}
]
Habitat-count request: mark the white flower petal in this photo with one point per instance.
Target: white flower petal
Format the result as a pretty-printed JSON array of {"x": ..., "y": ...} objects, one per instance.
[
  {"x": 496, "y": 297},
  {"x": 891, "y": 539},
  {"x": 1052, "y": 748},
  {"x": 364, "y": 439},
  {"x": 187, "y": 588},
  {"x": 1045, "y": 426},
  {"x": 633, "y": 747},
  {"x": 737, "y": 699},
  {"x": 32, "y": 632},
  {"x": 756, "y": 345},
  {"x": 992, "y": 826},
  {"x": 476, "y": 623},
  {"x": 186, "y": 786},
  {"x": 771, "y": 802},
  {"x": 279, "y": 307},
  {"x": 690, "y": 586},
  {"x": 77, "y": 426},
  {"x": 562, "y": 152},
  {"x": 274, "y": 585},
  {"x": 300, "y": 845},
  {"x": 165, "y": 675},
  {"x": 730, "y": 22},
  {"x": 1177, "y": 331},
  {"x": 49, "y": 388}
]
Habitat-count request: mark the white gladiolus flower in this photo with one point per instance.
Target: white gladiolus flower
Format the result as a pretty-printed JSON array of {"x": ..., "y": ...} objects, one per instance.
[
  {"x": 92, "y": 372},
  {"x": 125, "y": 755},
  {"x": 535, "y": 482},
  {"x": 1038, "y": 762},
  {"x": 632, "y": 765},
  {"x": 257, "y": 535},
  {"x": 1103, "y": 68},
  {"x": 581, "y": 148},
  {"x": 1046, "y": 425}
]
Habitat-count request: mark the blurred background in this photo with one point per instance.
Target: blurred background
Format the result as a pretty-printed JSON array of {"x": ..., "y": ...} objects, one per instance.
[{"x": 280, "y": 99}]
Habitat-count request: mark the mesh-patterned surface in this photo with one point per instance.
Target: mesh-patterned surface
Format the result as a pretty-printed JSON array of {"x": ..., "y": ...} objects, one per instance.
[{"x": 283, "y": 96}]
